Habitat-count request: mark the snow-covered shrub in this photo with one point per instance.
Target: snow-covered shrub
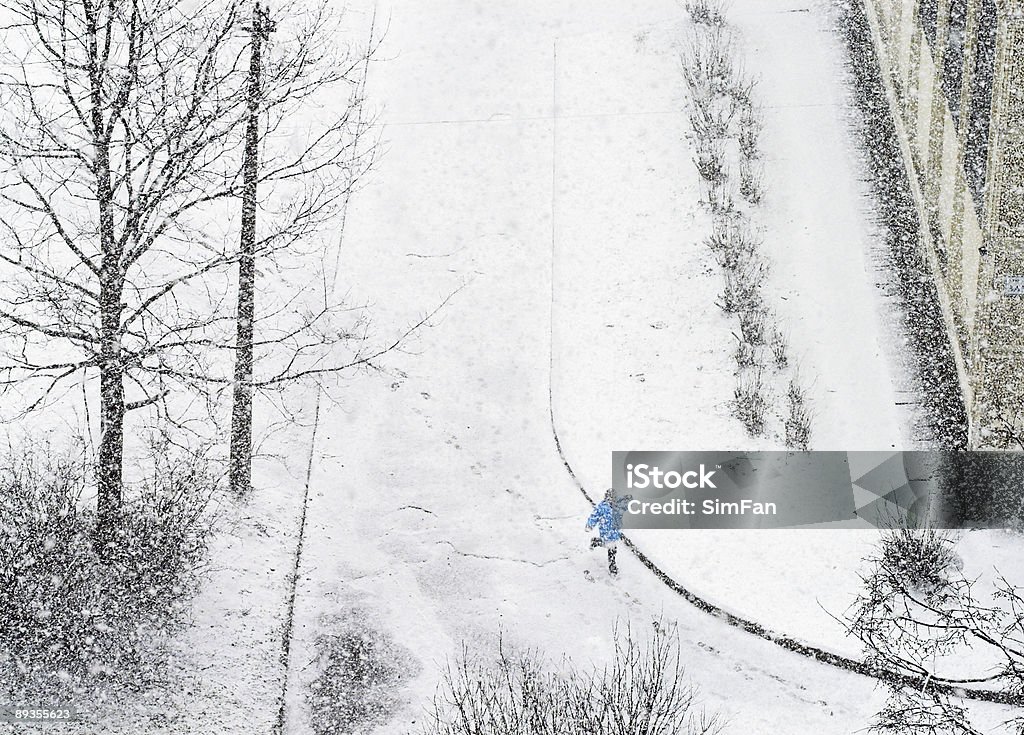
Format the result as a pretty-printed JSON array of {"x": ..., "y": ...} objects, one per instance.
[
  {"x": 515, "y": 694},
  {"x": 743, "y": 286},
  {"x": 707, "y": 12},
  {"x": 69, "y": 619},
  {"x": 749, "y": 133},
  {"x": 49, "y": 591},
  {"x": 750, "y": 400},
  {"x": 728, "y": 258},
  {"x": 742, "y": 90},
  {"x": 722, "y": 232},
  {"x": 709, "y": 71},
  {"x": 708, "y": 64},
  {"x": 798, "y": 418},
  {"x": 921, "y": 557},
  {"x": 642, "y": 690},
  {"x": 795, "y": 393},
  {"x": 712, "y": 122},
  {"x": 751, "y": 176},
  {"x": 779, "y": 347},
  {"x": 720, "y": 199},
  {"x": 752, "y": 325},
  {"x": 710, "y": 161},
  {"x": 733, "y": 243},
  {"x": 746, "y": 353},
  {"x": 161, "y": 544},
  {"x": 360, "y": 670},
  {"x": 911, "y": 713}
]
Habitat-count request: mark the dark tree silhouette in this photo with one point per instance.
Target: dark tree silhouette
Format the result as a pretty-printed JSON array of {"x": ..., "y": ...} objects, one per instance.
[{"x": 122, "y": 138}]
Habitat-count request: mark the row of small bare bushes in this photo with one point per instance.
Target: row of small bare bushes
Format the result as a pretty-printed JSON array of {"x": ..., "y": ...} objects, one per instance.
[{"x": 726, "y": 126}]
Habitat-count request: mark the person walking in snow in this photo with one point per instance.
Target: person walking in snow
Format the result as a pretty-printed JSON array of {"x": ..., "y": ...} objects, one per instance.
[{"x": 607, "y": 516}]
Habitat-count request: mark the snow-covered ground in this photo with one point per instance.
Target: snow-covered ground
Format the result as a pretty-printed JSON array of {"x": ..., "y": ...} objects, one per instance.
[
  {"x": 536, "y": 155},
  {"x": 539, "y": 153},
  {"x": 636, "y": 290}
]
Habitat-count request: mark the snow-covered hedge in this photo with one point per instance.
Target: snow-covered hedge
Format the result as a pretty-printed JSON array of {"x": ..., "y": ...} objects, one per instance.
[
  {"x": 643, "y": 689},
  {"x": 70, "y": 620}
]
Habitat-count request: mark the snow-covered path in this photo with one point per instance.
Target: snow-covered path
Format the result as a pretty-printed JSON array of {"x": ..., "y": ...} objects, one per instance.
[{"x": 440, "y": 510}]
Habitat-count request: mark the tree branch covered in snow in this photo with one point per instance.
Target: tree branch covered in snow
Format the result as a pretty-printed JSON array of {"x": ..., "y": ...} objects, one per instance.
[{"x": 919, "y": 615}]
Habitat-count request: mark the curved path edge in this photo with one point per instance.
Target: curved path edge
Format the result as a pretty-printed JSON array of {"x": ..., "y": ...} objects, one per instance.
[{"x": 894, "y": 678}]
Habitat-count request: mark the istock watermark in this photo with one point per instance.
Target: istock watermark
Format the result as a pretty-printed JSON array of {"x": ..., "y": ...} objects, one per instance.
[
  {"x": 643, "y": 476},
  {"x": 937, "y": 489},
  {"x": 677, "y": 506}
]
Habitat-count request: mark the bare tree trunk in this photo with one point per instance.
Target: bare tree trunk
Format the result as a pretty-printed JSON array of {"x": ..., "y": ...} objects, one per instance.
[
  {"x": 240, "y": 470},
  {"x": 112, "y": 405},
  {"x": 111, "y": 449},
  {"x": 119, "y": 141},
  {"x": 111, "y": 276}
]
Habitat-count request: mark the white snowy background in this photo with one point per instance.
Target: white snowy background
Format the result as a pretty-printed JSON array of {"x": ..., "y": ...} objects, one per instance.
[{"x": 536, "y": 153}]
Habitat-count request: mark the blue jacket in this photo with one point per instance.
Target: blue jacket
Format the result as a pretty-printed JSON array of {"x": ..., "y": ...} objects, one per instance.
[{"x": 607, "y": 516}]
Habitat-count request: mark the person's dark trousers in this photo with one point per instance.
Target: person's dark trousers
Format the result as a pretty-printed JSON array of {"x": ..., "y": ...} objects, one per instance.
[
  {"x": 612, "y": 566},
  {"x": 595, "y": 542}
]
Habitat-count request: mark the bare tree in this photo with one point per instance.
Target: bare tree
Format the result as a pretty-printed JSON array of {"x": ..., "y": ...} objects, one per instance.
[
  {"x": 115, "y": 140},
  {"x": 919, "y": 615},
  {"x": 121, "y": 144},
  {"x": 298, "y": 173},
  {"x": 240, "y": 472}
]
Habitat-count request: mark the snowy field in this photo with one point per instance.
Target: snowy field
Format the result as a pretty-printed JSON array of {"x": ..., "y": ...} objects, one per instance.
[{"x": 537, "y": 161}]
